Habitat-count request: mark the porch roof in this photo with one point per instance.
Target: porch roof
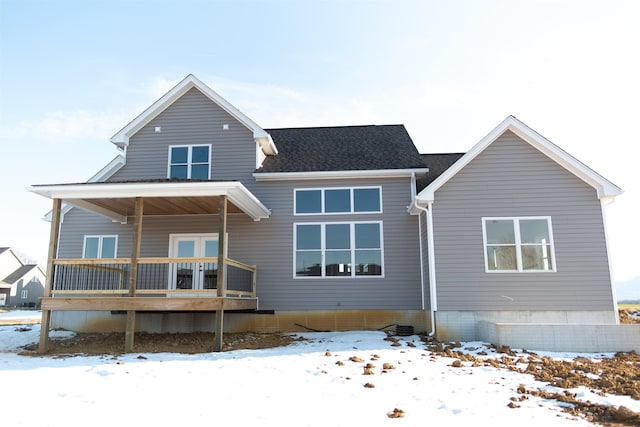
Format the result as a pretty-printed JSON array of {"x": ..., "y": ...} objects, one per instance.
[{"x": 116, "y": 200}]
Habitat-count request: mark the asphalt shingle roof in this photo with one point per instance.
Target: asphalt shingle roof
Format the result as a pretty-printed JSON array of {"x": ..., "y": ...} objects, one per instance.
[
  {"x": 437, "y": 164},
  {"x": 16, "y": 275},
  {"x": 342, "y": 148}
]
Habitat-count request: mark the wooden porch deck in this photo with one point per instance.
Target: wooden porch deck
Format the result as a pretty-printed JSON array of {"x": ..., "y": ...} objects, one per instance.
[
  {"x": 142, "y": 303},
  {"x": 116, "y": 285}
]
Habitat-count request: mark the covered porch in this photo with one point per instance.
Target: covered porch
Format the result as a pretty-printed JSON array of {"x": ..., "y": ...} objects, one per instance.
[{"x": 175, "y": 283}]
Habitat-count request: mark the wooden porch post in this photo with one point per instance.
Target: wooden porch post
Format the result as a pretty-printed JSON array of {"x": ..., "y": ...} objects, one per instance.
[
  {"x": 53, "y": 252},
  {"x": 133, "y": 276},
  {"x": 222, "y": 254}
]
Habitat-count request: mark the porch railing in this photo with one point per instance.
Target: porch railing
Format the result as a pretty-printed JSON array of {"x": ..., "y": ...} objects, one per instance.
[{"x": 156, "y": 276}]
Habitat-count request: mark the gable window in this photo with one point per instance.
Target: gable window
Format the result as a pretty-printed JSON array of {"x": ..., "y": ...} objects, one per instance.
[
  {"x": 518, "y": 244},
  {"x": 100, "y": 246},
  {"x": 189, "y": 161},
  {"x": 346, "y": 249},
  {"x": 24, "y": 294},
  {"x": 338, "y": 201}
]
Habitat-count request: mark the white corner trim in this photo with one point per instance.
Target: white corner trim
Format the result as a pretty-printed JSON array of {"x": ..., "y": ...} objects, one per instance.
[
  {"x": 301, "y": 176},
  {"x": 121, "y": 138},
  {"x": 604, "y": 188},
  {"x": 603, "y": 204}
]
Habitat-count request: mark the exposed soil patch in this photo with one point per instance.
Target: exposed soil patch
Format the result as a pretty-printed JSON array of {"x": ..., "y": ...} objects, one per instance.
[
  {"x": 188, "y": 343},
  {"x": 619, "y": 375},
  {"x": 629, "y": 316}
]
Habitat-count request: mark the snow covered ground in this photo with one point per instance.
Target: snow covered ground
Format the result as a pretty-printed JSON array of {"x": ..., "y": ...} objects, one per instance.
[{"x": 315, "y": 382}]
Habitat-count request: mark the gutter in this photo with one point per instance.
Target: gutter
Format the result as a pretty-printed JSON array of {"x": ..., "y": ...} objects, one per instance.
[{"x": 431, "y": 254}]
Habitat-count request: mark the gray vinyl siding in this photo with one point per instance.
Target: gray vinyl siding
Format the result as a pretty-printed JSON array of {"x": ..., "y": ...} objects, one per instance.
[
  {"x": 422, "y": 226},
  {"x": 192, "y": 119},
  {"x": 77, "y": 223},
  {"x": 398, "y": 289},
  {"x": 510, "y": 178},
  {"x": 268, "y": 244}
]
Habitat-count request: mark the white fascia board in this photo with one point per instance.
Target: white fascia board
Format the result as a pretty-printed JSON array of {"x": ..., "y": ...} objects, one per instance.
[
  {"x": 604, "y": 188},
  {"x": 105, "y": 173},
  {"x": 265, "y": 143},
  {"x": 65, "y": 208},
  {"x": 121, "y": 139},
  {"x": 133, "y": 189},
  {"x": 248, "y": 203},
  {"x": 81, "y": 194},
  {"x": 301, "y": 176}
]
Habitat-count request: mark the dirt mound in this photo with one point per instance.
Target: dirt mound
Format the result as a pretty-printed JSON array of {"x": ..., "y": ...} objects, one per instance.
[
  {"x": 629, "y": 316},
  {"x": 619, "y": 375},
  {"x": 188, "y": 343}
]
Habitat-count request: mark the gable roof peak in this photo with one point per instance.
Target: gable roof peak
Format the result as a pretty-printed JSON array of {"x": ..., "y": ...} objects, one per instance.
[
  {"x": 121, "y": 138},
  {"x": 604, "y": 188}
]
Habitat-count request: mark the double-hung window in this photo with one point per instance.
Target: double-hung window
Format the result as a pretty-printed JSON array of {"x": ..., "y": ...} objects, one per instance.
[
  {"x": 346, "y": 249},
  {"x": 100, "y": 246},
  {"x": 520, "y": 244},
  {"x": 189, "y": 161},
  {"x": 338, "y": 200}
]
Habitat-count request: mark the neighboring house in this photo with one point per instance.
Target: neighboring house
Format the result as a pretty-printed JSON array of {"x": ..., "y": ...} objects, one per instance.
[
  {"x": 206, "y": 221},
  {"x": 21, "y": 285}
]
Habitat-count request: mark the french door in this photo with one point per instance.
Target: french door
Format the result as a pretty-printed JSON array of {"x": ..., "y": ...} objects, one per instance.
[{"x": 193, "y": 275}]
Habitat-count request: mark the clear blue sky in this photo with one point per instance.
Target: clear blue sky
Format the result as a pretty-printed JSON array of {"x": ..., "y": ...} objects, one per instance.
[{"x": 73, "y": 73}]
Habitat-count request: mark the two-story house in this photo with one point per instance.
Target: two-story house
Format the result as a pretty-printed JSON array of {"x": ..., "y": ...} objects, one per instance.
[
  {"x": 21, "y": 284},
  {"x": 207, "y": 221}
]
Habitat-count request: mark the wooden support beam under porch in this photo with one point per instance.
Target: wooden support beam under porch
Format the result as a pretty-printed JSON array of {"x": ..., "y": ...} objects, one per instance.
[{"x": 143, "y": 303}]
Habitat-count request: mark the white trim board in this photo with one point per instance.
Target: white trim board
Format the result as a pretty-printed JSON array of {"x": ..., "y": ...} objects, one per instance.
[
  {"x": 81, "y": 194},
  {"x": 262, "y": 138},
  {"x": 297, "y": 176},
  {"x": 105, "y": 173},
  {"x": 605, "y": 189}
]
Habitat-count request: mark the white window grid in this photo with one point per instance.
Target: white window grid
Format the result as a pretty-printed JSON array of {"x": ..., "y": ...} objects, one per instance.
[
  {"x": 322, "y": 200},
  {"x": 352, "y": 247},
  {"x": 518, "y": 244}
]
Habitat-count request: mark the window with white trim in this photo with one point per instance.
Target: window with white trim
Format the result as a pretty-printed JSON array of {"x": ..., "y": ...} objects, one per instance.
[
  {"x": 338, "y": 249},
  {"x": 189, "y": 161},
  {"x": 100, "y": 246},
  {"x": 24, "y": 294},
  {"x": 518, "y": 244},
  {"x": 337, "y": 200}
]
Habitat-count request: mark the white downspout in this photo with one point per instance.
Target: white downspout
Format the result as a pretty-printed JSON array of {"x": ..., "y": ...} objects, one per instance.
[
  {"x": 431, "y": 254},
  {"x": 413, "y": 198},
  {"x": 421, "y": 264}
]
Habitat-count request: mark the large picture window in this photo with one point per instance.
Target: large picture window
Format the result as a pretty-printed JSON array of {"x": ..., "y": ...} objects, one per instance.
[
  {"x": 338, "y": 249},
  {"x": 518, "y": 244},
  {"x": 100, "y": 246},
  {"x": 189, "y": 161},
  {"x": 338, "y": 201}
]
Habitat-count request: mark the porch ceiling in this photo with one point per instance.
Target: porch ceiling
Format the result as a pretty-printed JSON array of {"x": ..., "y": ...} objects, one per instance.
[{"x": 117, "y": 200}]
